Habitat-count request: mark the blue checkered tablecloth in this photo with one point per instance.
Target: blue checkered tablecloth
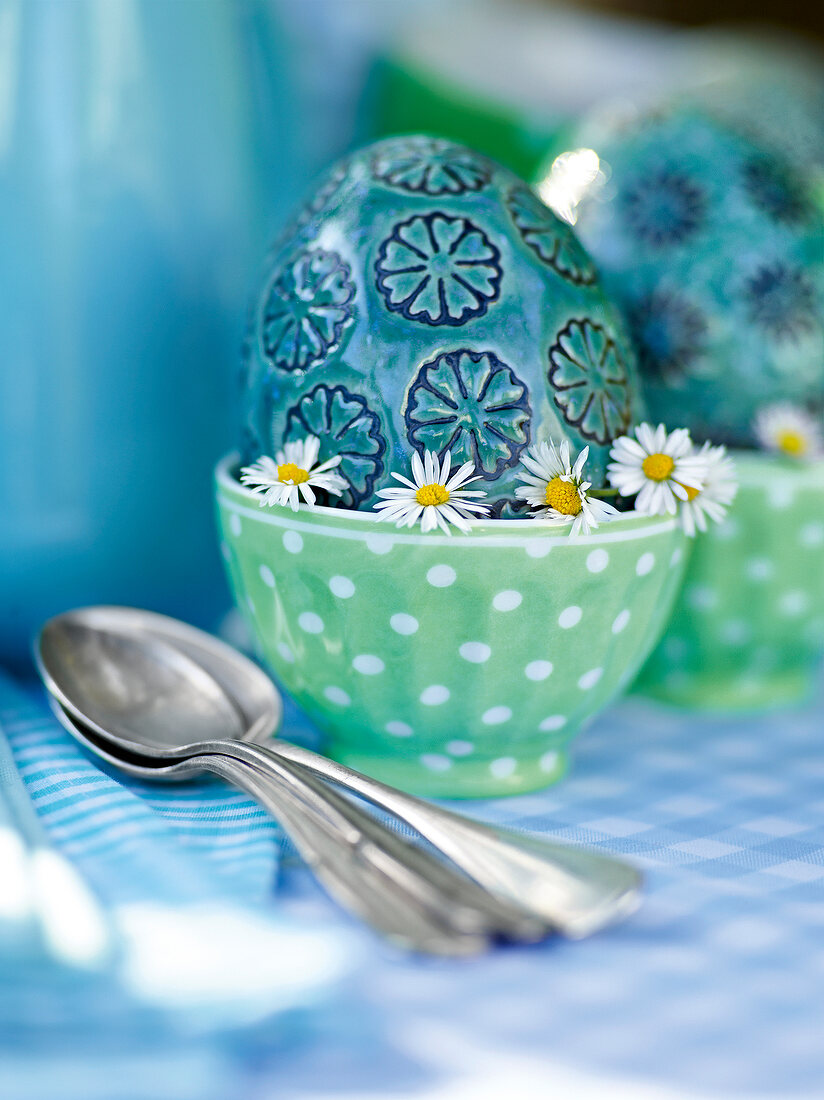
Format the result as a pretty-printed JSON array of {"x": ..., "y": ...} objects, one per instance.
[{"x": 714, "y": 988}]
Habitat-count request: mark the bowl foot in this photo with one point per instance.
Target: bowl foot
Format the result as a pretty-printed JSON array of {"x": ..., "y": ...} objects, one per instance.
[
  {"x": 433, "y": 775},
  {"x": 735, "y": 694}
]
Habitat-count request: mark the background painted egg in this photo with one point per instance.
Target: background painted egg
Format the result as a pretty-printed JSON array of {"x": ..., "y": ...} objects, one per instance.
[
  {"x": 425, "y": 298},
  {"x": 713, "y": 243}
]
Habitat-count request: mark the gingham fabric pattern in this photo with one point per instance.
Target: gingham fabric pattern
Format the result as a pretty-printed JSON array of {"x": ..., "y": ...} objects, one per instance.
[{"x": 715, "y": 987}]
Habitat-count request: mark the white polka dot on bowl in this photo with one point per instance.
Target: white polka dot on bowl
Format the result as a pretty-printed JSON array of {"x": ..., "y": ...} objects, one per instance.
[
  {"x": 342, "y": 587},
  {"x": 403, "y": 623},
  {"x": 496, "y": 715},
  {"x": 441, "y": 576},
  {"x": 621, "y": 620},
  {"x": 292, "y": 542},
  {"x": 337, "y": 695},
  {"x": 310, "y": 622},
  {"x": 811, "y": 534},
  {"x": 476, "y": 652},
  {"x": 538, "y": 548},
  {"x": 538, "y": 670},
  {"x": 759, "y": 569},
  {"x": 590, "y": 679},
  {"x": 676, "y": 557},
  {"x": 234, "y": 524},
  {"x": 434, "y": 762},
  {"x": 569, "y": 617},
  {"x": 507, "y": 600},
  {"x": 645, "y": 564},
  {"x": 794, "y": 603},
  {"x": 399, "y": 729},
  {"x": 267, "y": 576},
  {"x": 379, "y": 544},
  {"x": 554, "y": 722},
  {"x": 460, "y": 748},
  {"x": 434, "y": 695},
  {"x": 286, "y": 653},
  {"x": 597, "y": 561},
  {"x": 368, "y": 664},
  {"x": 548, "y": 762},
  {"x": 503, "y": 767}
]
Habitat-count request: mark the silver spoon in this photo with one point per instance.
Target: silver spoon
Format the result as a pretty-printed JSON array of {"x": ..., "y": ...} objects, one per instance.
[
  {"x": 573, "y": 890},
  {"x": 350, "y": 871},
  {"x": 147, "y": 706}
]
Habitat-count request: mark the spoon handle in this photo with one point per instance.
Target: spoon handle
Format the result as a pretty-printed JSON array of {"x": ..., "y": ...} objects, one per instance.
[
  {"x": 573, "y": 890},
  {"x": 360, "y": 875},
  {"x": 438, "y": 886}
]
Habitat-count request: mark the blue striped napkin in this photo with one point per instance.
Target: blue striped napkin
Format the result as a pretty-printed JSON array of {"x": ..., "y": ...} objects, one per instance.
[{"x": 141, "y": 951}]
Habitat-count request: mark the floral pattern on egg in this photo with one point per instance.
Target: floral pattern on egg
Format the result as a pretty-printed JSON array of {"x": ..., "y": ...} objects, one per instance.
[
  {"x": 438, "y": 270},
  {"x": 472, "y": 405},
  {"x": 710, "y": 240},
  {"x": 346, "y": 426},
  {"x": 589, "y": 377},
  {"x": 550, "y": 239},
  {"x": 669, "y": 332},
  {"x": 663, "y": 208},
  {"x": 412, "y": 304},
  {"x": 307, "y": 309},
  {"x": 781, "y": 302},
  {"x": 430, "y": 166}
]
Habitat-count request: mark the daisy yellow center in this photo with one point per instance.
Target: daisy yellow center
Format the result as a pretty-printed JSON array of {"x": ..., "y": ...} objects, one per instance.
[
  {"x": 288, "y": 471},
  {"x": 792, "y": 443},
  {"x": 658, "y": 467},
  {"x": 691, "y": 493},
  {"x": 431, "y": 494},
  {"x": 563, "y": 497}
]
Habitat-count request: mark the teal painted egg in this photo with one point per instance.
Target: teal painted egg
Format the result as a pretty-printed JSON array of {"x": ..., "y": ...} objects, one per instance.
[
  {"x": 712, "y": 241},
  {"x": 425, "y": 298}
]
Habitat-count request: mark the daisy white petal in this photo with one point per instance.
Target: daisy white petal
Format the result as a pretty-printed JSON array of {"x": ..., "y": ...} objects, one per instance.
[
  {"x": 657, "y": 467},
  {"x": 718, "y": 493},
  {"x": 432, "y": 496},
  {"x": 789, "y": 430},
  {"x": 556, "y": 491},
  {"x": 293, "y": 475}
]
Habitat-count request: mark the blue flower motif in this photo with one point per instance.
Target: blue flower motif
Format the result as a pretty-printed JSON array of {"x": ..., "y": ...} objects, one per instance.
[
  {"x": 429, "y": 166},
  {"x": 589, "y": 377},
  {"x": 781, "y": 301},
  {"x": 438, "y": 270},
  {"x": 669, "y": 333},
  {"x": 306, "y": 310},
  {"x": 664, "y": 208},
  {"x": 550, "y": 238},
  {"x": 345, "y": 426},
  {"x": 776, "y": 189},
  {"x": 472, "y": 404}
]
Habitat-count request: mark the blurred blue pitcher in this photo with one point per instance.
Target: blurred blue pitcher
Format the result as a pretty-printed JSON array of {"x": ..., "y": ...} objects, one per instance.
[{"x": 141, "y": 143}]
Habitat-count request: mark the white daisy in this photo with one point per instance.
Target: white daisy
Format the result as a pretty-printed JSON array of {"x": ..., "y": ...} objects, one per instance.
[
  {"x": 432, "y": 496},
  {"x": 720, "y": 487},
  {"x": 789, "y": 430},
  {"x": 556, "y": 489},
  {"x": 657, "y": 465},
  {"x": 279, "y": 480}
]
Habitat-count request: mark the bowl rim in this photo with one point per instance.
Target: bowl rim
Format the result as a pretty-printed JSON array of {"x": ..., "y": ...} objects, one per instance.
[
  {"x": 755, "y": 468},
  {"x": 627, "y": 526}
]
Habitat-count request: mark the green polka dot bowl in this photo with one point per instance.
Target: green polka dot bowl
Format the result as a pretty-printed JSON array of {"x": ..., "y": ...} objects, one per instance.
[
  {"x": 747, "y": 632},
  {"x": 454, "y": 666}
]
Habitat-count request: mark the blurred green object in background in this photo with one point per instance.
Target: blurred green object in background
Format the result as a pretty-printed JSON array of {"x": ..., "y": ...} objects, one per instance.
[{"x": 404, "y": 99}]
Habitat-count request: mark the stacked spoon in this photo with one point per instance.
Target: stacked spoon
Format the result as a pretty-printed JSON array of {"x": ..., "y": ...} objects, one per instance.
[{"x": 158, "y": 699}]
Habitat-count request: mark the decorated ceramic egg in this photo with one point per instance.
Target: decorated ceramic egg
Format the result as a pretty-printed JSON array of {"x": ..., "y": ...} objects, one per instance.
[
  {"x": 425, "y": 298},
  {"x": 713, "y": 243}
]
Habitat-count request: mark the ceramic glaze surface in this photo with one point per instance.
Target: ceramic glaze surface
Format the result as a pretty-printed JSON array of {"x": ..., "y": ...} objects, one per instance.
[
  {"x": 457, "y": 666},
  {"x": 748, "y": 628},
  {"x": 713, "y": 243},
  {"x": 425, "y": 298}
]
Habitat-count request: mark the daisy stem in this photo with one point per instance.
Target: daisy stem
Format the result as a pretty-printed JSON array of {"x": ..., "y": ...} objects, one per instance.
[{"x": 603, "y": 493}]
